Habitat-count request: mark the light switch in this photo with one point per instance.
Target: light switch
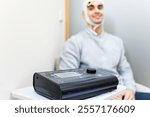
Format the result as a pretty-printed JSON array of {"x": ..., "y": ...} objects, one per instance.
[{"x": 60, "y": 17}]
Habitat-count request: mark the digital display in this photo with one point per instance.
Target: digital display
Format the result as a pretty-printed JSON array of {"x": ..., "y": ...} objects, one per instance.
[{"x": 67, "y": 74}]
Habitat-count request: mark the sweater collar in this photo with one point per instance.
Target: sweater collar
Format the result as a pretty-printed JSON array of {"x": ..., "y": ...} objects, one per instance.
[{"x": 91, "y": 32}]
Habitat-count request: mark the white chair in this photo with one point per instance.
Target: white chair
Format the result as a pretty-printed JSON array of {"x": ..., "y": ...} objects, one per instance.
[{"x": 142, "y": 88}]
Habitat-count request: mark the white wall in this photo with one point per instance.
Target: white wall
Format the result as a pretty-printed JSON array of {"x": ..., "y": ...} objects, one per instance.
[
  {"x": 31, "y": 36},
  {"x": 128, "y": 19}
]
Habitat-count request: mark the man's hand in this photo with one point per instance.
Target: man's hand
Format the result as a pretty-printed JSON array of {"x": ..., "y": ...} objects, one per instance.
[{"x": 126, "y": 95}]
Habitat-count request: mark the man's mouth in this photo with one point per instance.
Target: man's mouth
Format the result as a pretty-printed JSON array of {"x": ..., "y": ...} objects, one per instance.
[{"x": 97, "y": 16}]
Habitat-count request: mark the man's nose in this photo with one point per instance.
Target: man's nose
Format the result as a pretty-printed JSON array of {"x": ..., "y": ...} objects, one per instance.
[{"x": 96, "y": 9}]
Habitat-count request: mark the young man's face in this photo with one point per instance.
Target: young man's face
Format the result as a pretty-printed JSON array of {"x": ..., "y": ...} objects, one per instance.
[{"x": 96, "y": 12}]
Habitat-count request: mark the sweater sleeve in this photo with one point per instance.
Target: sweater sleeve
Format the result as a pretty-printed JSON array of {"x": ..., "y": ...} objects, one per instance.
[
  {"x": 125, "y": 70},
  {"x": 70, "y": 56}
]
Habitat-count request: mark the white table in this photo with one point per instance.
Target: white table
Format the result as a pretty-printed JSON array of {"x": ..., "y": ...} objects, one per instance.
[{"x": 28, "y": 93}]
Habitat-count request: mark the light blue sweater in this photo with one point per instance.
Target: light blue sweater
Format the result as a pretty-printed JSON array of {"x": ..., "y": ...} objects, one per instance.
[{"x": 106, "y": 51}]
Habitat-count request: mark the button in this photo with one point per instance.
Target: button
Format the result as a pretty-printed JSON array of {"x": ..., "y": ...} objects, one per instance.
[{"x": 91, "y": 71}]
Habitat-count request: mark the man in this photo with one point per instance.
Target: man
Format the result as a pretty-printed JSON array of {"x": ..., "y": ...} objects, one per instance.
[{"x": 95, "y": 48}]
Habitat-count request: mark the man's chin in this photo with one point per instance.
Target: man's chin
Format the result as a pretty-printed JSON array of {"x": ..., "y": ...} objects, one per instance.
[{"x": 98, "y": 22}]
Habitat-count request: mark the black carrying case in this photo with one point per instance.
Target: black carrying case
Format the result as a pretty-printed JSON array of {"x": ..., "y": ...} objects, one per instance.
[{"x": 74, "y": 84}]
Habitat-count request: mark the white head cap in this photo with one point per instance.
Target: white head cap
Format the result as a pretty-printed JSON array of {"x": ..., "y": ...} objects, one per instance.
[{"x": 85, "y": 10}]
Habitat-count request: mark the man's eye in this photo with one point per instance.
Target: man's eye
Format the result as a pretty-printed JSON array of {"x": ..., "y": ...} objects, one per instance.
[
  {"x": 91, "y": 7},
  {"x": 100, "y": 7}
]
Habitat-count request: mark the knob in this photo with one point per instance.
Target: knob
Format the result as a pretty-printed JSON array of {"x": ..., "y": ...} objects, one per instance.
[{"x": 91, "y": 71}]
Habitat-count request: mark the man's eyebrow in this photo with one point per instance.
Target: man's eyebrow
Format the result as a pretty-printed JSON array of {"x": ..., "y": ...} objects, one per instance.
[
  {"x": 100, "y": 4},
  {"x": 90, "y": 4}
]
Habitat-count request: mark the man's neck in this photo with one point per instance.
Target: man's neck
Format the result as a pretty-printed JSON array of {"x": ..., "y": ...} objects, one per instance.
[{"x": 98, "y": 30}]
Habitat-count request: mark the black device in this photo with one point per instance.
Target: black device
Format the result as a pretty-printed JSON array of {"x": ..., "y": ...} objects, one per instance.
[{"x": 74, "y": 83}]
